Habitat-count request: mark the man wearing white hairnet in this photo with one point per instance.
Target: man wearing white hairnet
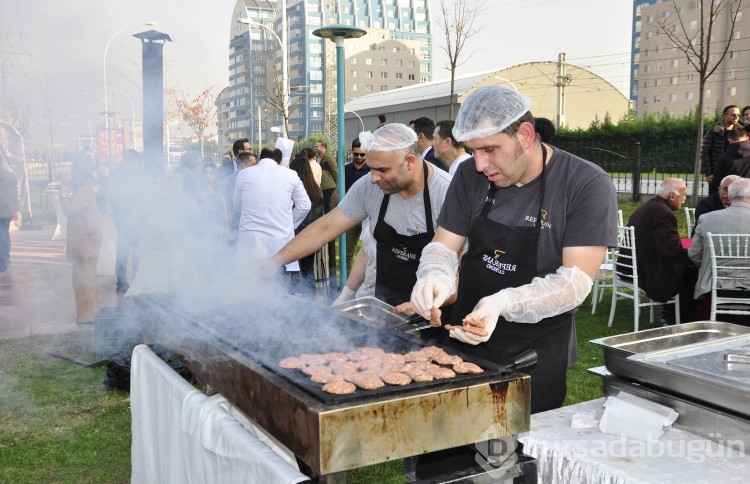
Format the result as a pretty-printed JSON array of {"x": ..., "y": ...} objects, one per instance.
[
  {"x": 537, "y": 234},
  {"x": 401, "y": 197}
]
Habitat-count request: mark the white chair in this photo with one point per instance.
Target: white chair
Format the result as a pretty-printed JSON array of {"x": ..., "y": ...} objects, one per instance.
[
  {"x": 625, "y": 281},
  {"x": 604, "y": 275},
  {"x": 730, "y": 272},
  {"x": 690, "y": 218}
]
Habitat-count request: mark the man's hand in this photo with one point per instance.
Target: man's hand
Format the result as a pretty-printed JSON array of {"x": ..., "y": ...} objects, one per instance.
[
  {"x": 17, "y": 218},
  {"x": 431, "y": 291},
  {"x": 481, "y": 322},
  {"x": 346, "y": 295}
]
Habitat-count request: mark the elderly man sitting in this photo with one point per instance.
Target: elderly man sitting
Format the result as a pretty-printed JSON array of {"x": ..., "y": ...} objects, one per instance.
[
  {"x": 735, "y": 219},
  {"x": 662, "y": 261}
]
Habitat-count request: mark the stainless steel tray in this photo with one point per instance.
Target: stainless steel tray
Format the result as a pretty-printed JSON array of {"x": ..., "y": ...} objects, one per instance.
[
  {"x": 618, "y": 348},
  {"x": 699, "y": 371},
  {"x": 374, "y": 310}
]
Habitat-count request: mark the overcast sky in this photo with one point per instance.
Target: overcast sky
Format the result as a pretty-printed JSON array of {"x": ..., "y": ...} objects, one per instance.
[{"x": 65, "y": 42}]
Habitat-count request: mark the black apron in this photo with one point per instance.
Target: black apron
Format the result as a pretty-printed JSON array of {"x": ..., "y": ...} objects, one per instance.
[
  {"x": 502, "y": 256},
  {"x": 398, "y": 255}
]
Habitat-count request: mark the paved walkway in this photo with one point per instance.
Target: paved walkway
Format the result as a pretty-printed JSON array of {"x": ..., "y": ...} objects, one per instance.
[{"x": 36, "y": 292}]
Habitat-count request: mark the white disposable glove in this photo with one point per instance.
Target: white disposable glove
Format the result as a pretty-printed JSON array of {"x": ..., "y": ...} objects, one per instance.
[
  {"x": 346, "y": 295},
  {"x": 484, "y": 316},
  {"x": 436, "y": 278},
  {"x": 548, "y": 296}
]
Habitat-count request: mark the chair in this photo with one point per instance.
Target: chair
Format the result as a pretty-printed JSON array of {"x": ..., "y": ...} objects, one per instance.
[
  {"x": 690, "y": 218},
  {"x": 625, "y": 280},
  {"x": 603, "y": 277},
  {"x": 730, "y": 272}
]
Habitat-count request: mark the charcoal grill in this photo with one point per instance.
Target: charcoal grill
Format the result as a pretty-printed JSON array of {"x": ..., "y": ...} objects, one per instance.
[{"x": 334, "y": 433}]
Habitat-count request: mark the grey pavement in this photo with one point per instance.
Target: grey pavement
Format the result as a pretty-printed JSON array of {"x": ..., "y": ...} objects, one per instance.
[{"x": 36, "y": 292}]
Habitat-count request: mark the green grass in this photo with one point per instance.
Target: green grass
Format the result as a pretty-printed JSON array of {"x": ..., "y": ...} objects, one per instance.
[{"x": 57, "y": 421}]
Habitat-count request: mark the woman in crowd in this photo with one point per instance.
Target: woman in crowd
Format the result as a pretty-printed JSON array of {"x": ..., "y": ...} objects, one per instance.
[{"x": 307, "y": 264}]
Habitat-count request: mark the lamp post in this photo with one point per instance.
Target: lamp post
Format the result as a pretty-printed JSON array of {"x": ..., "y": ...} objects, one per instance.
[
  {"x": 284, "y": 64},
  {"x": 91, "y": 131},
  {"x": 361, "y": 123},
  {"x": 104, "y": 78},
  {"x": 339, "y": 33},
  {"x": 132, "y": 109}
]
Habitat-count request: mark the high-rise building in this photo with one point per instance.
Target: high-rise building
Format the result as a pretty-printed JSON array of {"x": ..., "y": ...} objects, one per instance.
[
  {"x": 396, "y": 52},
  {"x": 664, "y": 79}
]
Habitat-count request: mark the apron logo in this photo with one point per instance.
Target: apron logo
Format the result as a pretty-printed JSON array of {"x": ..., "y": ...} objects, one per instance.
[
  {"x": 494, "y": 265},
  {"x": 403, "y": 253},
  {"x": 544, "y": 214}
]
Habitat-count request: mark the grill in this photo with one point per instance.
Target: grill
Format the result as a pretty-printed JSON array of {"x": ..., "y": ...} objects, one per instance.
[{"x": 332, "y": 433}]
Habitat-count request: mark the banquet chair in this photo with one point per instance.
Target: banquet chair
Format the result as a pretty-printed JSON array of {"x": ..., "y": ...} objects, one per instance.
[
  {"x": 605, "y": 272},
  {"x": 730, "y": 273},
  {"x": 690, "y": 218},
  {"x": 625, "y": 280}
]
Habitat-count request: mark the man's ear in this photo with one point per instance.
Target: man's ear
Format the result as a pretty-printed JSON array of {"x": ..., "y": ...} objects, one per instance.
[
  {"x": 526, "y": 135},
  {"x": 410, "y": 161}
]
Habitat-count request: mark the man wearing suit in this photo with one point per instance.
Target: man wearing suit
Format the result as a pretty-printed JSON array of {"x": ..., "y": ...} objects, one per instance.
[
  {"x": 425, "y": 127},
  {"x": 735, "y": 219},
  {"x": 662, "y": 261}
]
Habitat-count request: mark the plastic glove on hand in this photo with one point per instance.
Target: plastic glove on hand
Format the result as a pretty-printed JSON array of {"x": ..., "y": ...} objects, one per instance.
[
  {"x": 429, "y": 292},
  {"x": 479, "y": 325},
  {"x": 346, "y": 295}
]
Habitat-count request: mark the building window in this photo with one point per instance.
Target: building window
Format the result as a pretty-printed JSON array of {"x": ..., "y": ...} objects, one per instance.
[
  {"x": 412, "y": 64},
  {"x": 368, "y": 74},
  {"x": 399, "y": 62},
  {"x": 383, "y": 87},
  {"x": 354, "y": 60},
  {"x": 675, "y": 63},
  {"x": 673, "y": 80},
  {"x": 688, "y": 95},
  {"x": 368, "y": 61},
  {"x": 732, "y": 91},
  {"x": 672, "y": 97},
  {"x": 734, "y": 54},
  {"x": 657, "y": 99},
  {"x": 411, "y": 77},
  {"x": 731, "y": 73},
  {"x": 383, "y": 62},
  {"x": 353, "y": 87},
  {"x": 368, "y": 87},
  {"x": 657, "y": 82},
  {"x": 693, "y": 24},
  {"x": 658, "y": 66},
  {"x": 317, "y": 75},
  {"x": 384, "y": 75},
  {"x": 353, "y": 73},
  {"x": 399, "y": 75},
  {"x": 689, "y": 78},
  {"x": 707, "y": 94},
  {"x": 397, "y": 49},
  {"x": 736, "y": 35}
]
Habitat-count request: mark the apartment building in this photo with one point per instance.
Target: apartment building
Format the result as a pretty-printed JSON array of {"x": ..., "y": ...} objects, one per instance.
[
  {"x": 664, "y": 79},
  {"x": 397, "y": 52}
]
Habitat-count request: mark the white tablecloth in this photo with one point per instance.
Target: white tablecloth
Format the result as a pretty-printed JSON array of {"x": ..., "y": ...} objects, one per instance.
[
  {"x": 567, "y": 455},
  {"x": 181, "y": 436}
]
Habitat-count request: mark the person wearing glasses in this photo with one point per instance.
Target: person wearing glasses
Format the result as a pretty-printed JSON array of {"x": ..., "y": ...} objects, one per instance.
[
  {"x": 353, "y": 172},
  {"x": 715, "y": 142}
]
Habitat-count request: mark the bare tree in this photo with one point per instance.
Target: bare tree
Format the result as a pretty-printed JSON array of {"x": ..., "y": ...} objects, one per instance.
[
  {"x": 198, "y": 112},
  {"x": 273, "y": 89},
  {"x": 457, "y": 25},
  {"x": 705, "y": 48}
]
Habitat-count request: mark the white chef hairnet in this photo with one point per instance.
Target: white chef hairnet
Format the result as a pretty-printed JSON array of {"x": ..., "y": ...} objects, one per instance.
[
  {"x": 389, "y": 137},
  {"x": 489, "y": 110}
]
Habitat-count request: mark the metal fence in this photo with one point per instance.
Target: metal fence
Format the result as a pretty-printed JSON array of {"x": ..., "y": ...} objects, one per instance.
[{"x": 635, "y": 168}]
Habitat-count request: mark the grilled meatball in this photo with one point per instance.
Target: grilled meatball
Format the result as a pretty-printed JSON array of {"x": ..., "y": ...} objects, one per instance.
[
  {"x": 366, "y": 380},
  {"x": 466, "y": 367},
  {"x": 439, "y": 372},
  {"x": 292, "y": 363},
  {"x": 339, "y": 387},
  {"x": 395, "y": 378},
  {"x": 325, "y": 378},
  {"x": 446, "y": 359}
]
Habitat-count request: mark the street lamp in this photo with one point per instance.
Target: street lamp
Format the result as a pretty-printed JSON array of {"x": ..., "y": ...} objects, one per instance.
[
  {"x": 91, "y": 131},
  {"x": 104, "y": 78},
  {"x": 357, "y": 115},
  {"x": 132, "y": 108},
  {"x": 284, "y": 66},
  {"x": 338, "y": 33}
]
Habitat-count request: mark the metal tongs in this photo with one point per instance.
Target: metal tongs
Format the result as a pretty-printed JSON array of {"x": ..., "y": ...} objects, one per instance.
[{"x": 413, "y": 323}]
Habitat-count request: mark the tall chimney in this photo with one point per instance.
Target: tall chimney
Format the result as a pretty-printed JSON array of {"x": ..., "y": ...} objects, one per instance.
[{"x": 154, "y": 161}]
